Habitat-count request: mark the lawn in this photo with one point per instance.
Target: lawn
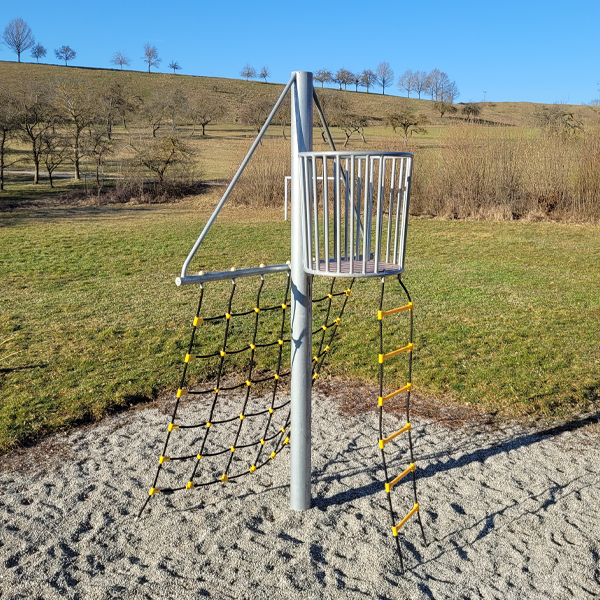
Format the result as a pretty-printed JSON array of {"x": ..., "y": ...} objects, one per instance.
[{"x": 506, "y": 314}]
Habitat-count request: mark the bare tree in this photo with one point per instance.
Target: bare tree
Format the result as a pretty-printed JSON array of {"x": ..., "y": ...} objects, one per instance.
[
  {"x": 471, "y": 110},
  {"x": 18, "y": 37},
  {"x": 264, "y": 73},
  {"x": 408, "y": 120},
  {"x": 343, "y": 77},
  {"x": 54, "y": 151},
  {"x": 78, "y": 108},
  {"x": 161, "y": 154},
  {"x": 367, "y": 79},
  {"x": 115, "y": 102},
  {"x": 65, "y": 53},
  {"x": 385, "y": 75},
  {"x": 38, "y": 51},
  {"x": 9, "y": 120},
  {"x": 339, "y": 115},
  {"x": 36, "y": 116},
  {"x": 98, "y": 146},
  {"x": 420, "y": 82},
  {"x": 154, "y": 112},
  {"x": 120, "y": 60},
  {"x": 406, "y": 82},
  {"x": 558, "y": 119},
  {"x": 433, "y": 83},
  {"x": 151, "y": 56},
  {"x": 205, "y": 111},
  {"x": 254, "y": 111},
  {"x": 323, "y": 76},
  {"x": 248, "y": 72},
  {"x": 175, "y": 66}
]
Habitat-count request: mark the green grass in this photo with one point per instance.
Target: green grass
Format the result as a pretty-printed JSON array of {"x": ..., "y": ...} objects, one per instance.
[{"x": 506, "y": 313}]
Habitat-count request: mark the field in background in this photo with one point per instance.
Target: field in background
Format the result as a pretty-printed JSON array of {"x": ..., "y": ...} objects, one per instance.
[{"x": 506, "y": 312}]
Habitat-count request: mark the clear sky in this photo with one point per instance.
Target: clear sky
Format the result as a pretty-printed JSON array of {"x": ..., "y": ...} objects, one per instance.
[{"x": 513, "y": 50}]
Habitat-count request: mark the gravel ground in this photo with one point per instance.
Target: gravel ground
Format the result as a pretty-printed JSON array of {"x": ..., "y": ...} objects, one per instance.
[{"x": 508, "y": 513}]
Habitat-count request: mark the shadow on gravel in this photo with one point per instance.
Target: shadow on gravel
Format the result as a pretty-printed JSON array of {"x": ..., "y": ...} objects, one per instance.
[{"x": 479, "y": 455}]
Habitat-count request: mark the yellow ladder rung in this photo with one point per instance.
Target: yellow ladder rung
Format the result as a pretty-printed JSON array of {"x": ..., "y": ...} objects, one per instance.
[
  {"x": 406, "y": 388},
  {"x": 413, "y": 510},
  {"x": 393, "y": 311},
  {"x": 408, "y": 348},
  {"x": 391, "y": 484},
  {"x": 382, "y": 443}
]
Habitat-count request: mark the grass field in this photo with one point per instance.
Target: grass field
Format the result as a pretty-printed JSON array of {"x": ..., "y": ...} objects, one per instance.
[{"x": 506, "y": 313}]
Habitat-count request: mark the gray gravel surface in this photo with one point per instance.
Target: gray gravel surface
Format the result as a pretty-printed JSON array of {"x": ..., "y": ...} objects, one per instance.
[{"x": 508, "y": 513}]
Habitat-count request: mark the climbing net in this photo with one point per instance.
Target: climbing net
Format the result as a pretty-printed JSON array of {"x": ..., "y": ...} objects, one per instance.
[
  {"x": 248, "y": 349},
  {"x": 401, "y": 393}
]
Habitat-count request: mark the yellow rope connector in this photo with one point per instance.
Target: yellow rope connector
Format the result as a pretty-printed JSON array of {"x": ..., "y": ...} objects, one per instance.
[
  {"x": 391, "y": 484},
  {"x": 280, "y": 342},
  {"x": 223, "y": 353},
  {"x": 197, "y": 321},
  {"x": 216, "y": 390},
  {"x": 284, "y": 306},
  {"x": 315, "y": 376},
  {"x": 248, "y": 382},
  {"x": 232, "y": 449},
  {"x": 316, "y": 358},
  {"x": 242, "y": 417},
  {"x": 273, "y": 455},
  {"x": 223, "y": 477},
  {"x": 181, "y": 392},
  {"x": 382, "y": 443},
  {"x": 199, "y": 456},
  {"x": 276, "y": 376},
  {"x": 406, "y": 388},
  {"x": 208, "y": 424},
  {"x": 153, "y": 491},
  {"x": 286, "y": 441},
  {"x": 189, "y": 357},
  {"x": 324, "y": 327},
  {"x": 338, "y": 321},
  {"x": 262, "y": 442},
  {"x": 327, "y": 349},
  {"x": 227, "y": 316},
  {"x": 413, "y": 510},
  {"x": 271, "y": 410},
  {"x": 173, "y": 426},
  {"x": 330, "y": 296},
  {"x": 189, "y": 485},
  {"x": 252, "y": 347},
  {"x": 257, "y": 310},
  {"x": 348, "y": 292},
  {"x": 163, "y": 459},
  {"x": 282, "y": 430},
  {"x": 252, "y": 468}
]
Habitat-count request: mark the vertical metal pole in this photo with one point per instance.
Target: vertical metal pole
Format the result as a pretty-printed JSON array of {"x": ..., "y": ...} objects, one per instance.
[{"x": 301, "y": 383}]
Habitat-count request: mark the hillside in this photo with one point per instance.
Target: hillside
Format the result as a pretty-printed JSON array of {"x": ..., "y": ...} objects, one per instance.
[{"x": 230, "y": 92}]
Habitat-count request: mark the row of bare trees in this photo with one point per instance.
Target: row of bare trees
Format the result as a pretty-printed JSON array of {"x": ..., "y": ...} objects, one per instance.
[
  {"x": 383, "y": 76},
  {"x": 60, "y": 122}
]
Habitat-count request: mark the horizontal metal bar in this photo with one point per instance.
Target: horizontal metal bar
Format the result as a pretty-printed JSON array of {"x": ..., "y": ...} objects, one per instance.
[
  {"x": 413, "y": 510},
  {"x": 391, "y": 484},
  {"x": 235, "y": 179},
  {"x": 355, "y": 153},
  {"x": 224, "y": 275}
]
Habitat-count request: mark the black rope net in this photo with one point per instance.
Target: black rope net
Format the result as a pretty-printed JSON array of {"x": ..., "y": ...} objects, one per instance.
[
  {"x": 393, "y": 397},
  {"x": 246, "y": 357}
]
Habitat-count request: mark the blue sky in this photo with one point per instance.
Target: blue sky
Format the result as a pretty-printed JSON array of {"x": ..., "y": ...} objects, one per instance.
[{"x": 514, "y": 51}]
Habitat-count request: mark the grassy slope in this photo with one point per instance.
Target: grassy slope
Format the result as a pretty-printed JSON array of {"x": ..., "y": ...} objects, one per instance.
[{"x": 98, "y": 322}]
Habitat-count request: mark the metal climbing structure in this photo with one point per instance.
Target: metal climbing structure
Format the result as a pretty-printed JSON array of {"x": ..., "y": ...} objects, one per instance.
[{"x": 349, "y": 217}]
